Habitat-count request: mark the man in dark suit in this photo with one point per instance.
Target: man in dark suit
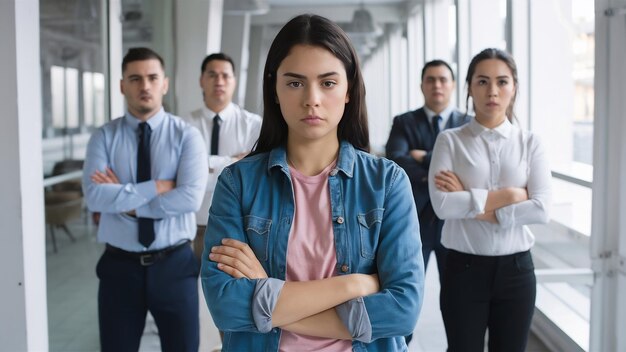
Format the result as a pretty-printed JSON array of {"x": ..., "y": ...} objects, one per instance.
[{"x": 411, "y": 142}]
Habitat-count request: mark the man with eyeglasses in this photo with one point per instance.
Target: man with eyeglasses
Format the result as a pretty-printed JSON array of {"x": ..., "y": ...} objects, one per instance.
[
  {"x": 411, "y": 142},
  {"x": 229, "y": 131}
]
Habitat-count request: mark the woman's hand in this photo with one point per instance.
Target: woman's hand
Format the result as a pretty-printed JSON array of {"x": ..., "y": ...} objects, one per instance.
[
  {"x": 489, "y": 216},
  {"x": 237, "y": 259},
  {"x": 448, "y": 181}
]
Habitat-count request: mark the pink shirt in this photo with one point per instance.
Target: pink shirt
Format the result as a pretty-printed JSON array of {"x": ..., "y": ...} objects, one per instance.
[{"x": 311, "y": 251}]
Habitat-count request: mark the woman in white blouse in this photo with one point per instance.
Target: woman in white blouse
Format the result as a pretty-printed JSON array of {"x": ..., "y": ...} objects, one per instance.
[{"x": 487, "y": 180}]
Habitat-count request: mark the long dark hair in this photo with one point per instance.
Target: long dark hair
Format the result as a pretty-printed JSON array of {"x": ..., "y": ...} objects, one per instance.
[
  {"x": 316, "y": 31},
  {"x": 493, "y": 53}
]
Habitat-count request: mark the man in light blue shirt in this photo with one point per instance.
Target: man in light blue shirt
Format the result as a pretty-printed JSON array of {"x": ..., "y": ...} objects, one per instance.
[{"x": 145, "y": 173}]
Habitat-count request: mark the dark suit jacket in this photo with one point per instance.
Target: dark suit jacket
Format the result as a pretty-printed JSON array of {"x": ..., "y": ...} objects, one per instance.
[{"x": 413, "y": 130}]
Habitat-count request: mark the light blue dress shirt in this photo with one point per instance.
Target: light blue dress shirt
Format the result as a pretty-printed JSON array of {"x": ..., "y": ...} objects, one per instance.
[{"x": 177, "y": 153}]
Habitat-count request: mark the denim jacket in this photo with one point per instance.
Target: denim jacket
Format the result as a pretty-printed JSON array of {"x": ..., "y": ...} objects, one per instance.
[{"x": 375, "y": 228}]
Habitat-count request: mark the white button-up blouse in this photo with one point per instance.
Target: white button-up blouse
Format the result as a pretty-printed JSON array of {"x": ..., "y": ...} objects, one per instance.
[{"x": 490, "y": 159}]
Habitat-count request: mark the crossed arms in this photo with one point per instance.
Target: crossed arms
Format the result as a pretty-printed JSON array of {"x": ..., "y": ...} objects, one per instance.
[
  {"x": 231, "y": 276},
  {"x": 114, "y": 191}
]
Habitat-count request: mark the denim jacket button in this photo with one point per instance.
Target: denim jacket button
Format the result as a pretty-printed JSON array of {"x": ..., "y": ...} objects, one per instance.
[
  {"x": 340, "y": 220},
  {"x": 344, "y": 268},
  {"x": 333, "y": 172}
]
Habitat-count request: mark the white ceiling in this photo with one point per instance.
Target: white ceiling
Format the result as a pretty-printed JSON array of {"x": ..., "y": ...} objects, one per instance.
[
  {"x": 341, "y": 11},
  {"x": 318, "y": 3}
]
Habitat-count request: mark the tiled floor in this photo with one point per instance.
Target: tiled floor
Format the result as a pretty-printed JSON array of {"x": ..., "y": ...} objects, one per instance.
[
  {"x": 72, "y": 302},
  {"x": 72, "y": 297}
]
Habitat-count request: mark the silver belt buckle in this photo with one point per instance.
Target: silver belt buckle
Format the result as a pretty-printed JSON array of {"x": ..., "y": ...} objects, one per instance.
[{"x": 146, "y": 259}]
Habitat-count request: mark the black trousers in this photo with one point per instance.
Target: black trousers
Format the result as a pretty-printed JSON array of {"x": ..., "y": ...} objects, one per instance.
[
  {"x": 168, "y": 289},
  {"x": 430, "y": 233},
  {"x": 485, "y": 292}
]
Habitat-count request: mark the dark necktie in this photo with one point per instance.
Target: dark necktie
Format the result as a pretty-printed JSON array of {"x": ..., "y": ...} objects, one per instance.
[
  {"x": 436, "y": 120},
  {"x": 146, "y": 225},
  {"x": 215, "y": 134}
]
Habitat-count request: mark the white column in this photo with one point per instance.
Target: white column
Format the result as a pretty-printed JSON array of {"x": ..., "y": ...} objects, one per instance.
[
  {"x": 520, "y": 51},
  {"x": 377, "y": 82},
  {"x": 464, "y": 50},
  {"x": 23, "y": 307},
  {"x": 486, "y": 25},
  {"x": 254, "y": 83},
  {"x": 608, "y": 233},
  {"x": 216, "y": 16},
  {"x": 437, "y": 36},
  {"x": 415, "y": 38},
  {"x": 115, "y": 56},
  {"x": 198, "y": 33},
  {"x": 397, "y": 91},
  {"x": 235, "y": 43},
  {"x": 162, "y": 20}
]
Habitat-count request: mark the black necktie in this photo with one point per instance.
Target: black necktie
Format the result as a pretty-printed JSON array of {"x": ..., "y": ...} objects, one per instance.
[
  {"x": 215, "y": 134},
  {"x": 146, "y": 225},
  {"x": 436, "y": 120}
]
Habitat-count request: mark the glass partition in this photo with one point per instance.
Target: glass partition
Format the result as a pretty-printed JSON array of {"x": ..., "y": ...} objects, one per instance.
[
  {"x": 73, "y": 67},
  {"x": 561, "y": 47}
]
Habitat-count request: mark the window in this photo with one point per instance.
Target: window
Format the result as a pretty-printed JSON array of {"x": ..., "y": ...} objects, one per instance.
[
  {"x": 561, "y": 59},
  {"x": 93, "y": 93},
  {"x": 73, "y": 76}
]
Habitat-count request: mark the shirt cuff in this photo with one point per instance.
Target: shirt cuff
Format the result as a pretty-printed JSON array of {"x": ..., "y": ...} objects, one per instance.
[
  {"x": 479, "y": 199},
  {"x": 354, "y": 316},
  {"x": 147, "y": 189},
  {"x": 264, "y": 300},
  {"x": 506, "y": 216}
]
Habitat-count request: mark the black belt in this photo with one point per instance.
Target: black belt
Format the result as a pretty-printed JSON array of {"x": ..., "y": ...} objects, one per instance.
[
  {"x": 146, "y": 258},
  {"x": 453, "y": 254}
]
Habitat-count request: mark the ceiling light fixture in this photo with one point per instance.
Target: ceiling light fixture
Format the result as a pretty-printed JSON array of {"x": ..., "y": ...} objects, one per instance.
[{"x": 363, "y": 31}]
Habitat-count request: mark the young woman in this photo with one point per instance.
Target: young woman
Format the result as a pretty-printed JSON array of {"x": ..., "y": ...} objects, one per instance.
[
  {"x": 487, "y": 180},
  {"x": 313, "y": 244}
]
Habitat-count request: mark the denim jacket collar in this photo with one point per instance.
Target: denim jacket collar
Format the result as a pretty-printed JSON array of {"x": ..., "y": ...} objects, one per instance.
[{"x": 345, "y": 162}]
